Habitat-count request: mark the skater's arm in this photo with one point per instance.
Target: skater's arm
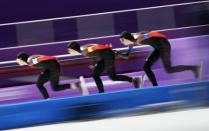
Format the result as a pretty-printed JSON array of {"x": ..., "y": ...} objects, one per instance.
[
  {"x": 125, "y": 55},
  {"x": 32, "y": 60},
  {"x": 141, "y": 32}
]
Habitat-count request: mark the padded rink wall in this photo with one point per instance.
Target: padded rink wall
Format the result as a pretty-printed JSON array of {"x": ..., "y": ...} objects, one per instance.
[{"x": 140, "y": 101}]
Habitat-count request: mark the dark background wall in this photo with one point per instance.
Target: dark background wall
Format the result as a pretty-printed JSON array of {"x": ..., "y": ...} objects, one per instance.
[
  {"x": 92, "y": 26},
  {"x": 24, "y": 10}
]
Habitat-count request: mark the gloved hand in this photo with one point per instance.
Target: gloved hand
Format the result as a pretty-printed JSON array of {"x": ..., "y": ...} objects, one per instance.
[{"x": 92, "y": 66}]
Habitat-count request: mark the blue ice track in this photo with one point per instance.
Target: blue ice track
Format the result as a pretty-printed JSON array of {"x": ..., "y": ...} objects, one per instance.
[{"x": 103, "y": 105}]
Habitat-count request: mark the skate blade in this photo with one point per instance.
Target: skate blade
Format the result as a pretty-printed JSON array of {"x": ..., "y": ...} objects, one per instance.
[{"x": 84, "y": 89}]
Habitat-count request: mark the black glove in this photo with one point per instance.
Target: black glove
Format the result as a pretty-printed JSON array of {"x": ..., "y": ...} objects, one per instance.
[{"x": 123, "y": 55}]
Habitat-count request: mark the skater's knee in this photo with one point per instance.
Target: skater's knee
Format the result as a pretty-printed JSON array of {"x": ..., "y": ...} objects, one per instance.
[
  {"x": 39, "y": 85},
  {"x": 168, "y": 69},
  {"x": 55, "y": 88},
  {"x": 146, "y": 67},
  {"x": 112, "y": 77}
]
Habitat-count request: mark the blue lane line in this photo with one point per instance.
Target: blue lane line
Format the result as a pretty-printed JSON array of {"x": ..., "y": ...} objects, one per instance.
[{"x": 83, "y": 107}]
